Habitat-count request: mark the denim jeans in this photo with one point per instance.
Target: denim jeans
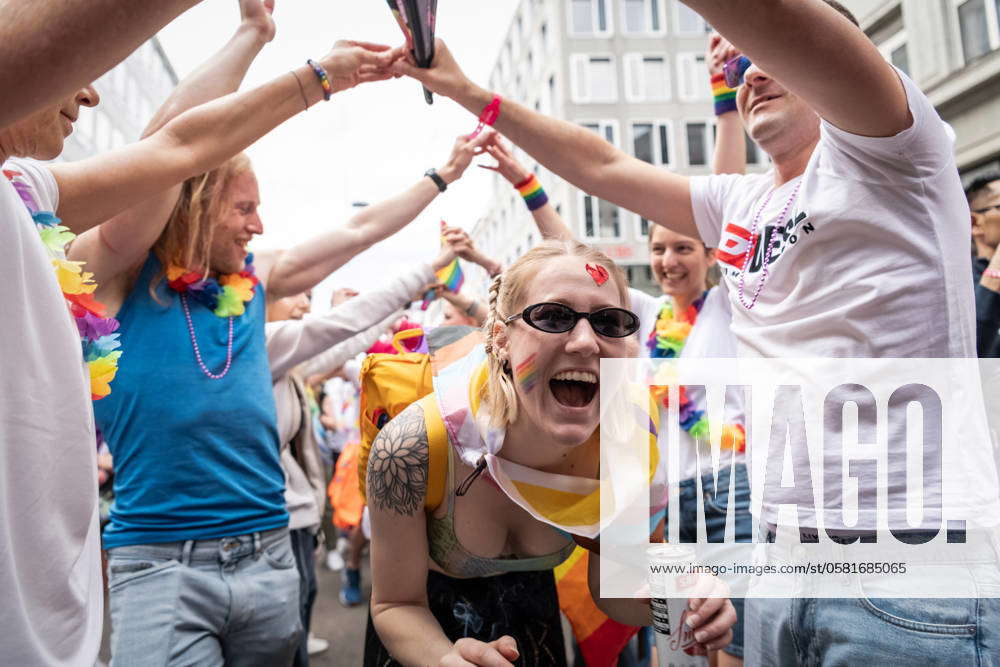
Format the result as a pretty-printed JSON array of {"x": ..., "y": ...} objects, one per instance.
[
  {"x": 876, "y": 628},
  {"x": 304, "y": 549},
  {"x": 230, "y": 601},
  {"x": 716, "y": 505}
]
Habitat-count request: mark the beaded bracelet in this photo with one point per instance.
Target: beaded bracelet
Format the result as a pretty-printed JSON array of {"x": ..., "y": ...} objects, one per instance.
[
  {"x": 991, "y": 273},
  {"x": 324, "y": 80},
  {"x": 725, "y": 97},
  {"x": 534, "y": 195}
]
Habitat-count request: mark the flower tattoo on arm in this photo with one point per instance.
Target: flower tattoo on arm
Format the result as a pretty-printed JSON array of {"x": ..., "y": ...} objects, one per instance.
[{"x": 397, "y": 466}]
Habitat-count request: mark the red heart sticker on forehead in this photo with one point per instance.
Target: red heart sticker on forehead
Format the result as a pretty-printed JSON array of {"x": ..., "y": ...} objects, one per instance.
[{"x": 598, "y": 273}]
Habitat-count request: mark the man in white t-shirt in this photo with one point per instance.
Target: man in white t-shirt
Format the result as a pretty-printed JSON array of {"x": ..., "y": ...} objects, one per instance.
[{"x": 858, "y": 247}]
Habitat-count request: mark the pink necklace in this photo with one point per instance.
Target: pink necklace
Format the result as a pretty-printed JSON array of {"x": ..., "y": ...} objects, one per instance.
[
  {"x": 197, "y": 352},
  {"x": 770, "y": 246}
]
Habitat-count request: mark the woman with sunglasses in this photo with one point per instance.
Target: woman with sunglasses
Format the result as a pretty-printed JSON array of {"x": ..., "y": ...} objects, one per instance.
[
  {"x": 690, "y": 319},
  {"x": 530, "y": 410}
]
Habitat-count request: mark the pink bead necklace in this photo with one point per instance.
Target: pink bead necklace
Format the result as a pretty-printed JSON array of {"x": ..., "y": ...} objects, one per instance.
[
  {"x": 770, "y": 246},
  {"x": 197, "y": 352}
]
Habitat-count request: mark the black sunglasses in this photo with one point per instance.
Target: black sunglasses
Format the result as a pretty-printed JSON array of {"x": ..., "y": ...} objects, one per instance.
[{"x": 559, "y": 318}]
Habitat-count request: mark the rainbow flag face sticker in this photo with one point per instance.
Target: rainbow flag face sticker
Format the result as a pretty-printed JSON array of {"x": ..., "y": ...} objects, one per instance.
[{"x": 526, "y": 373}]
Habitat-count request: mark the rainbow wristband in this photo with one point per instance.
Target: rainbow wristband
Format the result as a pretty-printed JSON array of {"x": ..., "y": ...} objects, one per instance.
[
  {"x": 725, "y": 97},
  {"x": 324, "y": 80},
  {"x": 534, "y": 195}
]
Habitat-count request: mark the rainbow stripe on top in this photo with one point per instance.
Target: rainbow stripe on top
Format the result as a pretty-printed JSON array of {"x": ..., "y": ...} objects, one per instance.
[
  {"x": 725, "y": 97},
  {"x": 534, "y": 195}
]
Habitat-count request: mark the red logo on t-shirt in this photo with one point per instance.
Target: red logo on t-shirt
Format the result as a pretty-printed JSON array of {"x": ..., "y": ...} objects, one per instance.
[{"x": 733, "y": 245}]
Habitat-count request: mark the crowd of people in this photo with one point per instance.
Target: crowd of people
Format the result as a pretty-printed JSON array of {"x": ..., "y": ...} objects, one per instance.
[{"x": 146, "y": 350}]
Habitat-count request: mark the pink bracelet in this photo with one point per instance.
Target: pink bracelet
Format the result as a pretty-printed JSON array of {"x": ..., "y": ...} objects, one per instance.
[
  {"x": 991, "y": 273},
  {"x": 489, "y": 116}
]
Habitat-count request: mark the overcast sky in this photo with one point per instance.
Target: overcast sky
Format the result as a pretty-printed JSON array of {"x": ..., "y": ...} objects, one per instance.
[{"x": 366, "y": 144}]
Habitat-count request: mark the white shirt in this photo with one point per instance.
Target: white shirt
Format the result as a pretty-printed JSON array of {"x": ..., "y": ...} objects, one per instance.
[
  {"x": 49, "y": 543},
  {"x": 871, "y": 261}
]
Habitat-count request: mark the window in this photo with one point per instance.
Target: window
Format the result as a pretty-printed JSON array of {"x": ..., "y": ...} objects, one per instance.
[
  {"x": 699, "y": 143},
  {"x": 600, "y": 219},
  {"x": 692, "y": 78},
  {"x": 979, "y": 23},
  {"x": 687, "y": 21},
  {"x": 545, "y": 38},
  {"x": 651, "y": 142},
  {"x": 895, "y": 51},
  {"x": 593, "y": 78},
  {"x": 589, "y": 17},
  {"x": 643, "y": 16},
  {"x": 648, "y": 78}
]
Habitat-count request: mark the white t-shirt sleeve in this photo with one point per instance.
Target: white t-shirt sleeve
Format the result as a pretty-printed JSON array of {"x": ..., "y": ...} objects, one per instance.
[
  {"x": 708, "y": 200},
  {"x": 917, "y": 152},
  {"x": 41, "y": 180}
]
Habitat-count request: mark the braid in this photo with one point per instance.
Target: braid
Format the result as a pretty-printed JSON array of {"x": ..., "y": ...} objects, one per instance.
[{"x": 499, "y": 387}]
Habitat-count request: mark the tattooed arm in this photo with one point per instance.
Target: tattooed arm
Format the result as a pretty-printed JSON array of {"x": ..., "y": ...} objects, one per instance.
[{"x": 397, "y": 483}]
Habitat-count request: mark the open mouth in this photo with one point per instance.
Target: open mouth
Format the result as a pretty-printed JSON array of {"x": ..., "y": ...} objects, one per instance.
[{"x": 574, "y": 389}]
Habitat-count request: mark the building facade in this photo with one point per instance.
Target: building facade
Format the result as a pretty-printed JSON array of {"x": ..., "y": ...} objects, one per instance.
[
  {"x": 951, "y": 49},
  {"x": 130, "y": 95},
  {"x": 631, "y": 70}
]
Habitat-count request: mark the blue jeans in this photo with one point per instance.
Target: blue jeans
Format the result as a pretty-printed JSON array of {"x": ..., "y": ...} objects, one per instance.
[
  {"x": 304, "y": 550},
  {"x": 229, "y": 601},
  {"x": 716, "y": 503},
  {"x": 875, "y": 629}
]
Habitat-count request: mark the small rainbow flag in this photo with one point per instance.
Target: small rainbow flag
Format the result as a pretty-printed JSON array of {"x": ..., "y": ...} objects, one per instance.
[{"x": 451, "y": 276}]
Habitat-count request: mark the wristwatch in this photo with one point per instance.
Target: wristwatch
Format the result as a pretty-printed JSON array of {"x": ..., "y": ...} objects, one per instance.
[{"x": 438, "y": 181}]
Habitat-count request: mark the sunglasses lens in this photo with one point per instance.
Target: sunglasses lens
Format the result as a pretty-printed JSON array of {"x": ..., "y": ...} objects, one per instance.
[
  {"x": 550, "y": 317},
  {"x": 614, "y": 322},
  {"x": 734, "y": 71}
]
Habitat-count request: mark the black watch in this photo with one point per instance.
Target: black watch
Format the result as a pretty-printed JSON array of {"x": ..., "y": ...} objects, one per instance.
[{"x": 438, "y": 181}]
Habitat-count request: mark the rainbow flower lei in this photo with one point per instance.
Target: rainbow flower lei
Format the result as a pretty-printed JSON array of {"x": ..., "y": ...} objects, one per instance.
[
  {"x": 666, "y": 341},
  {"x": 97, "y": 332},
  {"x": 226, "y": 297}
]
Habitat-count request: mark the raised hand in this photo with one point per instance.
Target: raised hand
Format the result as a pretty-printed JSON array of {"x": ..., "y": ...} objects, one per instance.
[
  {"x": 720, "y": 51},
  {"x": 342, "y": 295},
  {"x": 462, "y": 153},
  {"x": 350, "y": 63},
  {"x": 257, "y": 15},
  {"x": 507, "y": 166},
  {"x": 443, "y": 77}
]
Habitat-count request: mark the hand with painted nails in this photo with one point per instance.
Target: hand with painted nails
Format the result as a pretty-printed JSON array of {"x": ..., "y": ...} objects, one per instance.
[
  {"x": 350, "y": 63},
  {"x": 507, "y": 165},
  {"x": 466, "y": 652}
]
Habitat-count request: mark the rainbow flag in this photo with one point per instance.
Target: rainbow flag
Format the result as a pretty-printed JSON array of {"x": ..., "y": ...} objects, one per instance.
[
  {"x": 451, "y": 276},
  {"x": 600, "y": 638}
]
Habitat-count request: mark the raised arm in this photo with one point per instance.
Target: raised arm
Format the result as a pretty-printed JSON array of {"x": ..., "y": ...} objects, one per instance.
[
  {"x": 550, "y": 224},
  {"x": 301, "y": 267},
  {"x": 816, "y": 53},
  {"x": 397, "y": 474},
  {"x": 50, "y": 49},
  {"x": 316, "y": 340},
  {"x": 119, "y": 244},
  {"x": 730, "y": 156},
  {"x": 95, "y": 189},
  {"x": 574, "y": 153}
]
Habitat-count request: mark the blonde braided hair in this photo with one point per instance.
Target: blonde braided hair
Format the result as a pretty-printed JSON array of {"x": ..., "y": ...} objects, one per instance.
[{"x": 506, "y": 296}]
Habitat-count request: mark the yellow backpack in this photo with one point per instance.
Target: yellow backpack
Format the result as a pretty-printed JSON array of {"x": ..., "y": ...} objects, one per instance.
[{"x": 392, "y": 382}]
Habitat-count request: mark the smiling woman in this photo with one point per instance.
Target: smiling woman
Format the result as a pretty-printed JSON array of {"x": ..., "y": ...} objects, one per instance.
[{"x": 521, "y": 419}]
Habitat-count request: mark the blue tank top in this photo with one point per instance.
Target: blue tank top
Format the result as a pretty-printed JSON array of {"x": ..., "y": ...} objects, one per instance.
[{"x": 195, "y": 458}]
